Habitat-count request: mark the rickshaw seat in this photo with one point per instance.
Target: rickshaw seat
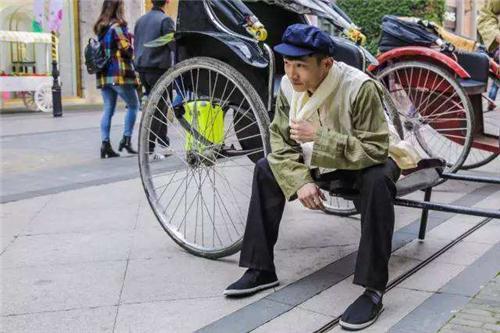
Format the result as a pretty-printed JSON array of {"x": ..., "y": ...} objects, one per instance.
[
  {"x": 477, "y": 64},
  {"x": 472, "y": 86},
  {"x": 418, "y": 180},
  {"x": 425, "y": 175},
  {"x": 348, "y": 53}
]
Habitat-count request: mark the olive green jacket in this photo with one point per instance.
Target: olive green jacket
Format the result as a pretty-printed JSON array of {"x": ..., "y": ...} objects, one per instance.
[
  {"x": 353, "y": 132},
  {"x": 488, "y": 23}
]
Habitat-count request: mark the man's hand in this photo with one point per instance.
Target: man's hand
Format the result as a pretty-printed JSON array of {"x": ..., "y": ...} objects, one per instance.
[
  {"x": 311, "y": 197},
  {"x": 302, "y": 131}
]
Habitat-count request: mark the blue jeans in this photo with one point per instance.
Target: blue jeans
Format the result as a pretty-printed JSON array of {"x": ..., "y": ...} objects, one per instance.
[
  {"x": 493, "y": 92},
  {"x": 110, "y": 94}
]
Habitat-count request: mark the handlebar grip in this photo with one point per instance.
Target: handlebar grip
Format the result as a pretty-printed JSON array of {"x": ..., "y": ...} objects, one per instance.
[
  {"x": 261, "y": 34},
  {"x": 258, "y": 32}
]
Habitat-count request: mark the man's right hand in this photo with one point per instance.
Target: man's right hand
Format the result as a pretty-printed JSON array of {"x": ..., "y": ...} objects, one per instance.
[{"x": 311, "y": 197}]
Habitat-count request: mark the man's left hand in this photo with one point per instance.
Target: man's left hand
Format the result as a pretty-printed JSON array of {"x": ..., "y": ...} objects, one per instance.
[{"x": 302, "y": 131}]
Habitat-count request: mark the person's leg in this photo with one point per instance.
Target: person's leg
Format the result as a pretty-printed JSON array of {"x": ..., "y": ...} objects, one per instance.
[
  {"x": 264, "y": 215},
  {"x": 148, "y": 82},
  {"x": 376, "y": 204},
  {"x": 493, "y": 91},
  {"x": 129, "y": 94},
  {"x": 109, "y": 99},
  {"x": 163, "y": 106},
  {"x": 145, "y": 82},
  {"x": 267, "y": 203},
  {"x": 494, "y": 87},
  {"x": 158, "y": 123}
]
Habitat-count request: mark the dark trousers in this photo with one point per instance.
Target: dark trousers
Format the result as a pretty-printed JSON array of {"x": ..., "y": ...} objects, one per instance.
[
  {"x": 159, "y": 121},
  {"x": 376, "y": 187}
]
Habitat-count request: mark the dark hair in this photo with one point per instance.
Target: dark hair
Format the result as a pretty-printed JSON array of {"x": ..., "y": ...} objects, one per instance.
[
  {"x": 113, "y": 11},
  {"x": 159, "y": 3},
  {"x": 318, "y": 56}
]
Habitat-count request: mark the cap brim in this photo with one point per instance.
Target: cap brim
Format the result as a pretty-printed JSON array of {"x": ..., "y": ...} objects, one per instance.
[{"x": 292, "y": 50}]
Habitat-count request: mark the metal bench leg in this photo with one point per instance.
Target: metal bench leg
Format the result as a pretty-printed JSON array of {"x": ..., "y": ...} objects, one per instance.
[{"x": 425, "y": 215}]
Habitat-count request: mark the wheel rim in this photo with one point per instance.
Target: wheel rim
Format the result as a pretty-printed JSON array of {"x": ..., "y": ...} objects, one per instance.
[
  {"x": 435, "y": 111},
  {"x": 43, "y": 98},
  {"x": 200, "y": 194}
]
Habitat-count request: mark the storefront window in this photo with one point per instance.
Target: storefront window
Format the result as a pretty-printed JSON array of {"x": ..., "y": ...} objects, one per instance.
[{"x": 18, "y": 15}]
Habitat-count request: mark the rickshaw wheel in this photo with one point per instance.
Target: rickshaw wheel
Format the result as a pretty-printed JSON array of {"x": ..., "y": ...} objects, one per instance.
[
  {"x": 29, "y": 100},
  {"x": 434, "y": 109},
  {"x": 43, "y": 98},
  {"x": 217, "y": 129},
  {"x": 477, "y": 158}
]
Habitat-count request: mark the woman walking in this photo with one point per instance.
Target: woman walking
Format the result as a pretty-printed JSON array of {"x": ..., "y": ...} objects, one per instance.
[{"x": 118, "y": 77}]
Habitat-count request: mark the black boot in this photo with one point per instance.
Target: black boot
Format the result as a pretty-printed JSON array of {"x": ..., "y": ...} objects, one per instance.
[
  {"x": 127, "y": 144},
  {"x": 107, "y": 150}
]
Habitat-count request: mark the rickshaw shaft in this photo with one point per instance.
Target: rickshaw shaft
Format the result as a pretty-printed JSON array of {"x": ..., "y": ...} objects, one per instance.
[
  {"x": 471, "y": 178},
  {"x": 448, "y": 208}
]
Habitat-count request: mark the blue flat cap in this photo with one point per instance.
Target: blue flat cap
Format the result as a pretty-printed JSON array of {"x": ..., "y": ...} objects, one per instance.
[{"x": 301, "y": 40}]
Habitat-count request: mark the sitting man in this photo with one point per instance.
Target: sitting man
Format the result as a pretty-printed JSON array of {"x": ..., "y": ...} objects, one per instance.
[{"x": 329, "y": 116}]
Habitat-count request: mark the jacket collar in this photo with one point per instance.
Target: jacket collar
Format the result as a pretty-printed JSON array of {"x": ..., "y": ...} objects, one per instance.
[{"x": 158, "y": 9}]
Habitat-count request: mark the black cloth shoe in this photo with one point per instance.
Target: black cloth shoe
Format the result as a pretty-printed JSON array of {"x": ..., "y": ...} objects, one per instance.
[
  {"x": 251, "y": 282},
  {"x": 363, "y": 312}
]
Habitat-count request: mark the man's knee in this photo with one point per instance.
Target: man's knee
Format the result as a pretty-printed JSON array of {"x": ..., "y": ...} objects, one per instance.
[
  {"x": 376, "y": 178},
  {"x": 263, "y": 170},
  {"x": 262, "y": 165}
]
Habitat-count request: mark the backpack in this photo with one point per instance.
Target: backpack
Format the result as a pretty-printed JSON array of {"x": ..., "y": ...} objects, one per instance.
[
  {"x": 397, "y": 32},
  {"x": 96, "y": 59}
]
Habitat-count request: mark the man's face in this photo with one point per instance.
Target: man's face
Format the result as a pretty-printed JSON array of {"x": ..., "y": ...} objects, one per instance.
[{"x": 307, "y": 73}]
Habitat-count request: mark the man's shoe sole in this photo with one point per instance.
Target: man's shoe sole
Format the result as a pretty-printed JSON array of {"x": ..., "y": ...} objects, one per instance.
[
  {"x": 242, "y": 292},
  {"x": 357, "y": 327}
]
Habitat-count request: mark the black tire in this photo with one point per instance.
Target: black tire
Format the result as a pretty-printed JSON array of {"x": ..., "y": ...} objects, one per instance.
[{"x": 483, "y": 158}]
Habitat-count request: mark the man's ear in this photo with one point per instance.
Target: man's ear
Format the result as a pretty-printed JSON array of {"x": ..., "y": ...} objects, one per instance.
[{"x": 328, "y": 62}]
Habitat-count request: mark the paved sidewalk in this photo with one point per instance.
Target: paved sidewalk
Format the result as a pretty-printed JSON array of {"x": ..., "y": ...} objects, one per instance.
[
  {"x": 481, "y": 314},
  {"x": 81, "y": 250},
  {"x": 42, "y": 155}
]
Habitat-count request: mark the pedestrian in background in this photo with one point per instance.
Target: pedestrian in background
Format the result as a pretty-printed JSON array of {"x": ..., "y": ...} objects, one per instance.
[
  {"x": 151, "y": 63},
  {"x": 119, "y": 77},
  {"x": 488, "y": 28}
]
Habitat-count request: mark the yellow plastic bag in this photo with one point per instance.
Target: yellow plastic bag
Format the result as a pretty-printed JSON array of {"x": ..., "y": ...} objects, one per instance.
[{"x": 206, "y": 119}]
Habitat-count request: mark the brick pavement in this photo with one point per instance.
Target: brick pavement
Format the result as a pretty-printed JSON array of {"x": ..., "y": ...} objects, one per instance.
[{"x": 481, "y": 314}]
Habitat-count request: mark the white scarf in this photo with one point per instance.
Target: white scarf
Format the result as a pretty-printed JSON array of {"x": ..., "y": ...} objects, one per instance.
[{"x": 302, "y": 107}]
